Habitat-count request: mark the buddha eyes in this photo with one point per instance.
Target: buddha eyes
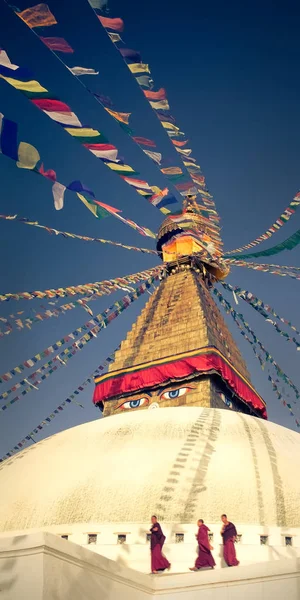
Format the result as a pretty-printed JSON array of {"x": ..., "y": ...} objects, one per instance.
[
  {"x": 173, "y": 394},
  {"x": 169, "y": 395},
  {"x": 130, "y": 404}
]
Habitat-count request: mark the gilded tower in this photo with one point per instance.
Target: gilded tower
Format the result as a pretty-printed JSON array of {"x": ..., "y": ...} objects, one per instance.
[{"x": 180, "y": 351}]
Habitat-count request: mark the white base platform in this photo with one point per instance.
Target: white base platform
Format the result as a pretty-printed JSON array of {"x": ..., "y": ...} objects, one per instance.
[{"x": 41, "y": 566}]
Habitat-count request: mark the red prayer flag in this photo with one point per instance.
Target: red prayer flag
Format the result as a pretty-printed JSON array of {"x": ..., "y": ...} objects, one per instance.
[
  {"x": 103, "y": 147},
  {"x": 144, "y": 142},
  {"x": 110, "y": 209},
  {"x": 50, "y": 174},
  {"x": 51, "y": 105},
  {"x": 57, "y": 44},
  {"x": 160, "y": 95},
  {"x": 114, "y": 24},
  {"x": 183, "y": 186},
  {"x": 179, "y": 144}
]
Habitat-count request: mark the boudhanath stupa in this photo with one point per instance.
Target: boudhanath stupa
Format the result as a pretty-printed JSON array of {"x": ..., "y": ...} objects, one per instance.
[{"x": 185, "y": 436}]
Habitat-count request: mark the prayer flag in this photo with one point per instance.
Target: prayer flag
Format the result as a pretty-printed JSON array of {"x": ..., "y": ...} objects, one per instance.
[
  {"x": 145, "y": 81},
  {"x": 50, "y": 105},
  {"x": 115, "y": 37},
  {"x": 83, "y": 132},
  {"x": 155, "y": 156},
  {"x": 130, "y": 54},
  {"x": 77, "y": 186},
  {"x": 171, "y": 171},
  {"x": 185, "y": 151},
  {"x": 105, "y": 151},
  {"x": 171, "y": 126},
  {"x": 8, "y": 140},
  {"x": 137, "y": 183},
  {"x": 26, "y": 86},
  {"x": 125, "y": 169},
  {"x": 114, "y": 24},
  {"x": 139, "y": 68},
  {"x": 144, "y": 142},
  {"x": 97, "y": 4},
  {"x": 64, "y": 118},
  {"x": 58, "y": 190},
  {"x": 160, "y": 105},
  {"x": 28, "y": 156},
  {"x": 119, "y": 116},
  {"x": 37, "y": 16},
  {"x": 4, "y": 60},
  {"x": 57, "y": 44},
  {"x": 78, "y": 71},
  {"x": 50, "y": 174},
  {"x": 98, "y": 212},
  {"x": 179, "y": 144},
  {"x": 159, "y": 95}
]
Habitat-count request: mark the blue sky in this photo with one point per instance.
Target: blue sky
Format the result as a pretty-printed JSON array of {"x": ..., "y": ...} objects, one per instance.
[{"x": 232, "y": 77}]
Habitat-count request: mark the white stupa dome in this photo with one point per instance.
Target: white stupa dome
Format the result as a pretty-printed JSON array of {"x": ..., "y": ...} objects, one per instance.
[{"x": 181, "y": 463}]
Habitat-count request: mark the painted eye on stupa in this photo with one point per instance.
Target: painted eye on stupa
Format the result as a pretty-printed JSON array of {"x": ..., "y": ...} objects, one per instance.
[
  {"x": 173, "y": 394},
  {"x": 131, "y": 404}
]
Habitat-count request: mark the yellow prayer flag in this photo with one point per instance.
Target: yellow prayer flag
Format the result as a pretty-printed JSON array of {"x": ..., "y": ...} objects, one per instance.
[
  {"x": 160, "y": 105},
  {"x": 139, "y": 68},
  {"x": 82, "y": 131},
  {"x": 120, "y": 116},
  {"x": 28, "y": 156},
  {"x": 142, "y": 192},
  {"x": 170, "y": 126},
  {"x": 91, "y": 207},
  {"x": 165, "y": 211},
  {"x": 172, "y": 171},
  {"x": 26, "y": 86},
  {"x": 117, "y": 167},
  {"x": 191, "y": 164}
]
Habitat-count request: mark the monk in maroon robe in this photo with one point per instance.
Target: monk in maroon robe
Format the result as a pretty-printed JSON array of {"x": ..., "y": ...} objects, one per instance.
[
  {"x": 229, "y": 533},
  {"x": 205, "y": 557},
  {"x": 158, "y": 561}
]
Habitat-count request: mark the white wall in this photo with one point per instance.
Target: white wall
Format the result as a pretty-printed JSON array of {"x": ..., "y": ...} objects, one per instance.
[{"x": 41, "y": 566}]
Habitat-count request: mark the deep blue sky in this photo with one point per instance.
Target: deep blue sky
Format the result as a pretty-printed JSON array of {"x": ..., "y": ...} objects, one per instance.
[{"x": 232, "y": 76}]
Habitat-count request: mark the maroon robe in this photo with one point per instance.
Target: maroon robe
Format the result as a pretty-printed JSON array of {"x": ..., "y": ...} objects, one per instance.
[
  {"x": 158, "y": 561},
  {"x": 229, "y": 535},
  {"x": 205, "y": 557}
]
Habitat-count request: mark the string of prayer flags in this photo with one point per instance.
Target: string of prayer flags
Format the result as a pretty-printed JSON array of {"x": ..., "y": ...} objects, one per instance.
[
  {"x": 23, "y": 323},
  {"x": 161, "y": 107},
  {"x": 92, "y": 327},
  {"x": 268, "y": 357},
  {"x": 283, "y": 267},
  {"x": 122, "y": 118},
  {"x": 67, "y": 234},
  {"x": 288, "y": 244},
  {"x": 98, "y": 287},
  {"x": 66, "y": 119},
  {"x": 28, "y": 157},
  {"x": 265, "y": 268},
  {"x": 259, "y": 306},
  {"x": 284, "y": 218},
  {"x": 57, "y": 411},
  {"x": 172, "y": 171},
  {"x": 282, "y": 400},
  {"x": 37, "y": 429}
]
